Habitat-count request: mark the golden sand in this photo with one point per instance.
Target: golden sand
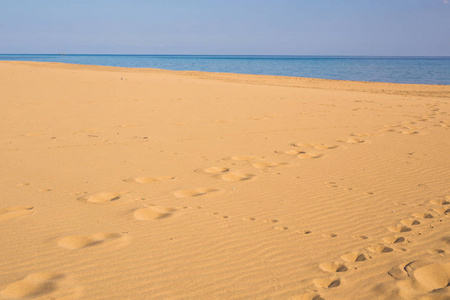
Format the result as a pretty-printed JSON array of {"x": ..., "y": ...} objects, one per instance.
[{"x": 148, "y": 184}]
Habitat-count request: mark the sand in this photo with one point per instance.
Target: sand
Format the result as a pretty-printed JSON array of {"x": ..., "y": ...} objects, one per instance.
[{"x": 149, "y": 184}]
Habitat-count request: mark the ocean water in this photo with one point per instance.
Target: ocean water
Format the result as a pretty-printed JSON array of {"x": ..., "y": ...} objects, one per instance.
[{"x": 421, "y": 70}]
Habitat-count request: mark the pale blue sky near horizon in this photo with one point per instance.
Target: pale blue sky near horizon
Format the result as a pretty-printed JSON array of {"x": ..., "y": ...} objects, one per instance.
[{"x": 229, "y": 27}]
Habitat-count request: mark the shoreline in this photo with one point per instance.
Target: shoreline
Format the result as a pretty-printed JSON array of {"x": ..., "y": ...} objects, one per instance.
[
  {"x": 301, "y": 82},
  {"x": 230, "y": 73}
]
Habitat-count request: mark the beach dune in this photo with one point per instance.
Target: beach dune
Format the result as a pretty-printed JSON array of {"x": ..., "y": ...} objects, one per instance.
[{"x": 123, "y": 183}]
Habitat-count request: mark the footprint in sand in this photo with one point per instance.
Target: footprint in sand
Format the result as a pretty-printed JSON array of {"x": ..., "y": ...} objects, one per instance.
[
  {"x": 153, "y": 213},
  {"x": 407, "y": 132},
  {"x": 387, "y": 130},
  {"x": 307, "y": 145},
  {"x": 236, "y": 177},
  {"x": 34, "y": 285},
  {"x": 421, "y": 280},
  {"x": 362, "y": 134},
  {"x": 328, "y": 282},
  {"x": 309, "y": 155},
  {"x": 379, "y": 249},
  {"x": 10, "y": 213},
  {"x": 324, "y": 147},
  {"x": 443, "y": 208},
  {"x": 332, "y": 184},
  {"x": 352, "y": 141},
  {"x": 266, "y": 165},
  {"x": 314, "y": 146},
  {"x": 307, "y": 296},
  {"x": 271, "y": 221},
  {"x": 440, "y": 201},
  {"x": 216, "y": 170},
  {"x": 100, "y": 197},
  {"x": 399, "y": 228},
  {"x": 423, "y": 215},
  {"x": 436, "y": 251},
  {"x": 442, "y": 211},
  {"x": 393, "y": 239},
  {"x": 281, "y": 228},
  {"x": 410, "y": 221},
  {"x": 148, "y": 179},
  {"x": 333, "y": 267},
  {"x": 329, "y": 235},
  {"x": 407, "y": 122},
  {"x": 193, "y": 192},
  {"x": 433, "y": 277},
  {"x": 354, "y": 257},
  {"x": 218, "y": 216},
  {"x": 444, "y": 124},
  {"x": 293, "y": 152},
  {"x": 75, "y": 242}
]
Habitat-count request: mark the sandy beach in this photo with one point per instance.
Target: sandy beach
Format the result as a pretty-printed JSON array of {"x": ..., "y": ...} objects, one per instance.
[{"x": 124, "y": 183}]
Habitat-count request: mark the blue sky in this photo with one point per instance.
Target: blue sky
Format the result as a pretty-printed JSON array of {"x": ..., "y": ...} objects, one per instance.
[{"x": 291, "y": 27}]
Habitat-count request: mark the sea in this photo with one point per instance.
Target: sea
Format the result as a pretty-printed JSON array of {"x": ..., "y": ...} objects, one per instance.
[{"x": 417, "y": 70}]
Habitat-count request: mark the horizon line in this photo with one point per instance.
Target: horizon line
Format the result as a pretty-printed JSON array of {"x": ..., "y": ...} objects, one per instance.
[{"x": 291, "y": 55}]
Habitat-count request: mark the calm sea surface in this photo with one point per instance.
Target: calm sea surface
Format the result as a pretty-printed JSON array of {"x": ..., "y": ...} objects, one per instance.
[{"x": 424, "y": 70}]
